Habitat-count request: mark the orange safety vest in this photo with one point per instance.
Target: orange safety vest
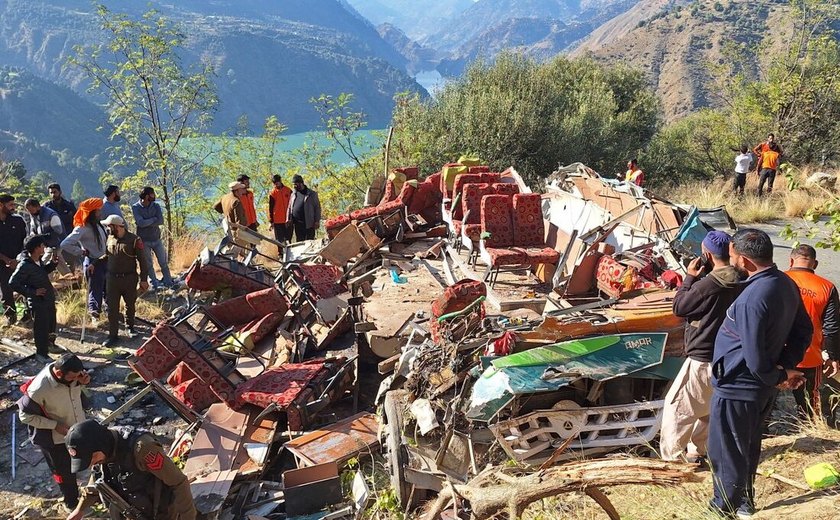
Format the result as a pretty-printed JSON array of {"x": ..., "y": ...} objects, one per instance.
[
  {"x": 637, "y": 177},
  {"x": 278, "y": 205},
  {"x": 816, "y": 292},
  {"x": 248, "y": 206},
  {"x": 770, "y": 160}
]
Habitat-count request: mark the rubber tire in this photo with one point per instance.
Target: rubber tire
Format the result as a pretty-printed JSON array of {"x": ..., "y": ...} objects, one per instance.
[{"x": 397, "y": 457}]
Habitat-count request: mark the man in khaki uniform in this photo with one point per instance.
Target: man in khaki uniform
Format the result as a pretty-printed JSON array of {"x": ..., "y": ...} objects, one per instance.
[
  {"x": 124, "y": 253},
  {"x": 135, "y": 467},
  {"x": 230, "y": 205}
]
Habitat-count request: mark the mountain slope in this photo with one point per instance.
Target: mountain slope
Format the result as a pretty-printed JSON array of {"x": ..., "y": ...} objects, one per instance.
[
  {"x": 271, "y": 57},
  {"x": 676, "y": 41},
  {"x": 417, "y": 19}
]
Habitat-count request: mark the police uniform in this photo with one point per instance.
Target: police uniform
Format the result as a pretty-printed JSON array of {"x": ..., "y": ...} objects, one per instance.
[
  {"x": 145, "y": 477},
  {"x": 124, "y": 254}
]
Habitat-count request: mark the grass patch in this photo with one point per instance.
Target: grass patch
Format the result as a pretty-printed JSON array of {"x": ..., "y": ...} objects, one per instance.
[{"x": 186, "y": 248}]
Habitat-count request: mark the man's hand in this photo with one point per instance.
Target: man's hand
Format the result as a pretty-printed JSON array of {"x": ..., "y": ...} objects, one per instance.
[
  {"x": 144, "y": 286},
  {"x": 40, "y": 292},
  {"x": 831, "y": 367},
  {"x": 90, "y": 269},
  {"x": 13, "y": 263},
  {"x": 794, "y": 380},
  {"x": 695, "y": 267},
  {"x": 62, "y": 428}
]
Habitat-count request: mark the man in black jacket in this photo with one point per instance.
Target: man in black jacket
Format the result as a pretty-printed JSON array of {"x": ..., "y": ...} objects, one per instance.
[
  {"x": 703, "y": 303},
  {"x": 32, "y": 279}
]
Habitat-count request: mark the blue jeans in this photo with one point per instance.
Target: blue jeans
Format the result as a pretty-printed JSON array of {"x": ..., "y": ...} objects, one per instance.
[
  {"x": 160, "y": 253},
  {"x": 96, "y": 284}
]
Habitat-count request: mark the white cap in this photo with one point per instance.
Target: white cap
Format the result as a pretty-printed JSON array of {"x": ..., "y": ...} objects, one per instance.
[{"x": 114, "y": 220}]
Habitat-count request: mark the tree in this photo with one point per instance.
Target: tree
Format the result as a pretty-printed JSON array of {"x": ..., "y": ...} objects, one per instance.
[
  {"x": 153, "y": 102},
  {"x": 78, "y": 192}
]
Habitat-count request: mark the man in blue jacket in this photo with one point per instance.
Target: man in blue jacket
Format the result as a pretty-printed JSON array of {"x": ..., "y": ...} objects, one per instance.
[{"x": 762, "y": 339}]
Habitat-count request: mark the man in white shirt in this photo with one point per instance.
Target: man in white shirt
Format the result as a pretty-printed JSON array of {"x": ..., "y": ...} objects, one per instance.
[{"x": 742, "y": 167}]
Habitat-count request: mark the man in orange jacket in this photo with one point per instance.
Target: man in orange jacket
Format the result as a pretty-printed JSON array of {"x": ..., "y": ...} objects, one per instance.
[
  {"x": 248, "y": 202},
  {"x": 823, "y": 306},
  {"x": 278, "y": 210},
  {"x": 768, "y": 154}
]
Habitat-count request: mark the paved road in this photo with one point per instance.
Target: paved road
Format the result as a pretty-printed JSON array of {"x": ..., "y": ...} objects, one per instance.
[{"x": 829, "y": 260}]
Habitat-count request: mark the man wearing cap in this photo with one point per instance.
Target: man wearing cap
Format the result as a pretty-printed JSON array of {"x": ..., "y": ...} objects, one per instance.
[
  {"x": 247, "y": 200},
  {"x": 111, "y": 203},
  {"x": 702, "y": 301},
  {"x": 304, "y": 210},
  {"x": 12, "y": 235},
  {"x": 125, "y": 253},
  {"x": 32, "y": 279},
  {"x": 278, "y": 209},
  {"x": 50, "y": 404},
  {"x": 230, "y": 205},
  {"x": 88, "y": 240},
  {"x": 135, "y": 467}
]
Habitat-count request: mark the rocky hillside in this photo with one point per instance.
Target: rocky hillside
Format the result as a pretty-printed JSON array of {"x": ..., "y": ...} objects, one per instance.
[
  {"x": 677, "y": 42},
  {"x": 271, "y": 57},
  {"x": 417, "y": 19}
]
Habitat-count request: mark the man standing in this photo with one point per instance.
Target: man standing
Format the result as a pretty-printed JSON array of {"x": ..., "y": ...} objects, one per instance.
[
  {"x": 634, "y": 174},
  {"x": 51, "y": 403},
  {"x": 135, "y": 467},
  {"x": 32, "y": 279},
  {"x": 742, "y": 168},
  {"x": 65, "y": 210},
  {"x": 125, "y": 252},
  {"x": 304, "y": 210},
  {"x": 762, "y": 339},
  {"x": 823, "y": 306},
  {"x": 148, "y": 217},
  {"x": 41, "y": 220},
  {"x": 278, "y": 210},
  {"x": 12, "y": 235},
  {"x": 769, "y": 153},
  {"x": 247, "y": 199},
  {"x": 88, "y": 239},
  {"x": 703, "y": 303},
  {"x": 111, "y": 203}
]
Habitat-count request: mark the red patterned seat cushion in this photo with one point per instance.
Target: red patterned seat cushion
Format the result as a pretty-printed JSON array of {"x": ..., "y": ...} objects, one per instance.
[
  {"x": 336, "y": 224},
  {"x": 609, "y": 275},
  {"x": 471, "y": 201},
  {"x": 195, "y": 394},
  {"x": 247, "y": 308},
  {"x": 279, "y": 385},
  {"x": 504, "y": 256},
  {"x": 504, "y": 188},
  {"x": 460, "y": 181},
  {"x": 181, "y": 374},
  {"x": 407, "y": 192},
  {"x": 479, "y": 169},
  {"x": 264, "y": 326},
  {"x": 426, "y": 200},
  {"x": 496, "y": 220},
  {"x": 457, "y": 296},
  {"x": 152, "y": 360},
  {"x": 364, "y": 213},
  {"x": 215, "y": 278},
  {"x": 324, "y": 279},
  {"x": 540, "y": 255},
  {"x": 390, "y": 192},
  {"x": 457, "y": 225},
  {"x": 490, "y": 177},
  {"x": 528, "y": 226},
  {"x": 390, "y": 207}
]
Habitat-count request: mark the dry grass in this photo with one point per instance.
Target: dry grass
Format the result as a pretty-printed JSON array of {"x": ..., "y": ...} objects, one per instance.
[
  {"x": 782, "y": 203},
  {"x": 71, "y": 308},
  {"x": 187, "y": 247}
]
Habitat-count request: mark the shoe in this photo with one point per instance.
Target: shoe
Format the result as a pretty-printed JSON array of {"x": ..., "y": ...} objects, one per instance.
[
  {"x": 55, "y": 349},
  {"x": 111, "y": 341},
  {"x": 43, "y": 359},
  {"x": 745, "y": 512}
]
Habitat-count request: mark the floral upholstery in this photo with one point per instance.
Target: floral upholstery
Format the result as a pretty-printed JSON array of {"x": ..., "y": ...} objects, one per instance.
[
  {"x": 195, "y": 394},
  {"x": 496, "y": 220},
  {"x": 457, "y": 225},
  {"x": 364, "y": 213},
  {"x": 336, "y": 224},
  {"x": 390, "y": 192},
  {"x": 252, "y": 306},
  {"x": 505, "y": 188},
  {"x": 454, "y": 298},
  {"x": 181, "y": 374},
  {"x": 608, "y": 276},
  {"x": 478, "y": 169},
  {"x": 264, "y": 326},
  {"x": 472, "y": 232},
  {"x": 152, "y": 360},
  {"x": 390, "y": 207},
  {"x": 528, "y": 226},
  {"x": 426, "y": 199},
  {"x": 503, "y": 256},
  {"x": 222, "y": 273},
  {"x": 279, "y": 385},
  {"x": 490, "y": 177},
  {"x": 461, "y": 181},
  {"x": 471, "y": 201},
  {"x": 540, "y": 255},
  {"x": 323, "y": 278}
]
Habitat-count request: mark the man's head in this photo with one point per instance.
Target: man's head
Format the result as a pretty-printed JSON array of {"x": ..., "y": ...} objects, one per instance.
[
  {"x": 237, "y": 188},
  {"x": 32, "y": 206},
  {"x": 68, "y": 368},
  {"x": 112, "y": 193},
  {"x": 115, "y": 224},
  {"x": 277, "y": 180},
  {"x": 147, "y": 195},
  {"x": 7, "y": 204},
  {"x": 716, "y": 247},
  {"x": 88, "y": 443},
  {"x": 245, "y": 180},
  {"x": 55, "y": 191},
  {"x": 804, "y": 256},
  {"x": 750, "y": 251},
  {"x": 744, "y": 148},
  {"x": 35, "y": 246},
  {"x": 631, "y": 164},
  {"x": 297, "y": 182},
  {"x": 771, "y": 138}
]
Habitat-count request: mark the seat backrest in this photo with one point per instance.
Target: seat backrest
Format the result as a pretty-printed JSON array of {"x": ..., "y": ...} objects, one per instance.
[
  {"x": 496, "y": 220},
  {"x": 479, "y": 169},
  {"x": 460, "y": 181},
  {"x": 410, "y": 172},
  {"x": 528, "y": 225},
  {"x": 505, "y": 188},
  {"x": 448, "y": 174},
  {"x": 408, "y": 189},
  {"x": 471, "y": 201},
  {"x": 490, "y": 177}
]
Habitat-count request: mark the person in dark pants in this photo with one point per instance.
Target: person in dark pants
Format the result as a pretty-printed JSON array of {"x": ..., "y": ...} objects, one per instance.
[
  {"x": 32, "y": 279},
  {"x": 125, "y": 253},
  {"x": 757, "y": 348},
  {"x": 304, "y": 210},
  {"x": 769, "y": 154},
  {"x": 823, "y": 305},
  {"x": 88, "y": 239},
  {"x": 66, "y": 210},
  {"x": 51, "y": 403},
  {"x": 278, "y": 210},
  {"x": 12, "y": 235}
]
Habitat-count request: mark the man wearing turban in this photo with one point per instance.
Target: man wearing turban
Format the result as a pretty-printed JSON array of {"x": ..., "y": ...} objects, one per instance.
[{"x": 88, "y": 239}]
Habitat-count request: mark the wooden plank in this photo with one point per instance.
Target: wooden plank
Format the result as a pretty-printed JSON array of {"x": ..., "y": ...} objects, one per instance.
[
  {"x": 346, "y": 245},
  {"x": 387, "y": 366},
  {"x": 338, "y": 442},
  {"x": 217, "y": 442}
]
